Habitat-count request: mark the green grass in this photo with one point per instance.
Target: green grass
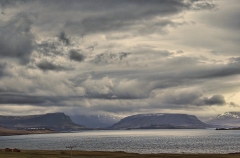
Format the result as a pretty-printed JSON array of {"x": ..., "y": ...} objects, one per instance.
[{"x": 103, "y": 154}]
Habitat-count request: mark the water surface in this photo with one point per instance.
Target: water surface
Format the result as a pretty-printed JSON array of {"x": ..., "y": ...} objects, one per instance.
[{"x": 137, "y": 141}]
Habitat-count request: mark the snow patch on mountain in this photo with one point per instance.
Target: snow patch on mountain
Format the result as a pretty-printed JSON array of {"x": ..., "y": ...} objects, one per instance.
[{"x": 227, "y": 115}]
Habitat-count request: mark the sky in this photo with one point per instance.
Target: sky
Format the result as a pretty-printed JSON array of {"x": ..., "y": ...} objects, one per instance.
[{"x": 119, "y": 57}]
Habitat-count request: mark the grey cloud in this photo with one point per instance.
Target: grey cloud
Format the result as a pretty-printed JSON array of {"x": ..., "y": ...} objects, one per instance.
[
  {"x": 25, "y": 99},
  {"x": 92, "y": 25},
  {"x": 220, "y": 71},
  {"x": 215, "y": 100},
  {"x": 122, "y": 18},
  {"x": 16, "y": 39},
  {"x": 46, "y": 65},
  {"x": 123, "y": 55},
  {"x": 96, "y": 6},
  {"x": 2, "y": 69},
  {"x": 63, "y": 38},
  {"x": 20, "y": 99},
  {"x": 9, "y": 3},
  {"x": 112, "y": 88},
  {"x": 235, "y": 60},
  {"x": 227, "y": 17},
  {"x": 152, "y": 79},
  {"x": 200, "y": 70},
  {"x": 109, "y": 57},
  {"x": 193, "y": 98},
  {"x": 232, "y": 104},
  {"x": 203, "y": 4},
  {"x": 49, "y": 48},
  {"x": 125, "y": 73},
  {"x": 183, "y": 98},
  {"x": 92, "y": 47},
  {"x": 75, "y": 55},
  {"x": 151, "y": 52},
  {"x": 179, "y": 52}
]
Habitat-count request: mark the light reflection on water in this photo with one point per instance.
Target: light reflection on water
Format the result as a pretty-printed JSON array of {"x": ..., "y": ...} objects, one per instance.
[{"x": 138, "y": 141}]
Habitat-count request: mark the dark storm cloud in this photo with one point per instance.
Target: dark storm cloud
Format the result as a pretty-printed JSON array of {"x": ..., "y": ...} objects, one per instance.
[
  {"x": 63, "y": 38},
  {"x": 2, "y": 69},
  {"x": 119, "y": 16},
  {"x": 215, "y": 100},
  {"x": 18, "y": 98},
  {"x": 5, "y": 3},
  {"x": 10, "y": 3},
  {"x": 76, "y": 56},
  {"x": 46, "y": 65},
  {"x": 219, "y": 71},
  {"x": 16, "y": 39},
  {"x": 104, "y": 24}
]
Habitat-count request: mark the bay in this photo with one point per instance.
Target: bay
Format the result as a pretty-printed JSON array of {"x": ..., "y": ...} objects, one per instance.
[{"x": 136, "y": 141}]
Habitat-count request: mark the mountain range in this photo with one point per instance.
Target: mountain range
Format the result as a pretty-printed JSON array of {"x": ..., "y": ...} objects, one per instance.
[{"x": 62, "y": 122}]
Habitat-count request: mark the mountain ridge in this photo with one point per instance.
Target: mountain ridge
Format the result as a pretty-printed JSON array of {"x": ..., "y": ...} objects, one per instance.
[
  {"x": 159, "y": 119},
  {"x": 54, "y": 121}
]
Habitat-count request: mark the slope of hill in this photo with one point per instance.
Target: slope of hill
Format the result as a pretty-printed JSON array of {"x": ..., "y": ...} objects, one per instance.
[
  {"x": 53, "y": 121},
  {"x": 153, "y": 121},
  {"x": 95, "y": 121},
  {"x": 226, "y": 119}
]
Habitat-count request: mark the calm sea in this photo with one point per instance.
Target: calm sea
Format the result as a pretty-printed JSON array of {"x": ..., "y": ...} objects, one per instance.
[{"x": 137, "y": 141}]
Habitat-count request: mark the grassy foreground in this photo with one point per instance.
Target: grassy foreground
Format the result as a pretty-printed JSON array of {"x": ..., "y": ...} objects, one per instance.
[{"x": 103, "y": 154}]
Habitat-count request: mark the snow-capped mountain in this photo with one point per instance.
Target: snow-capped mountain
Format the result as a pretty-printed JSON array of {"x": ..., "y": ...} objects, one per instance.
[
  {"x": 95, "y": 121},
  {"x": 226, "y": 119},
  {"x": 228, "y": 115}
]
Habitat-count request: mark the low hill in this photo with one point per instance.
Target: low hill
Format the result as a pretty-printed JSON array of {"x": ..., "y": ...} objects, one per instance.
[
  {"x": 95, "y": 121},
  {"x": 226, "y": 119},
  {"x": 160, "y": 121},
  {"x": 53, "y": 121}
]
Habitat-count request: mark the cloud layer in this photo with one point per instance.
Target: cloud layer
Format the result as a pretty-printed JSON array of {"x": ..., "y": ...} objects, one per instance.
[{"x": 119, "y": 57}]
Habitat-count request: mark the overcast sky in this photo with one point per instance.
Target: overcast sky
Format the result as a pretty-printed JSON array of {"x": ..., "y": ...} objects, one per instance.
[{"x": 119, "y": 57}]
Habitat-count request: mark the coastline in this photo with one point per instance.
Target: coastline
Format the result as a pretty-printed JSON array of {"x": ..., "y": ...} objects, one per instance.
[
  {"x": 12, "y": 132},
  {"x": 108, "y": 154}
]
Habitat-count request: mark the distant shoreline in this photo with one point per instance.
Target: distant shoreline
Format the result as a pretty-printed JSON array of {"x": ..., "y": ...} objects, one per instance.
[
  {"x": 12, "y": 132},
  {"x": 108, "y": 154},
  {"x": 237, "y": 128}
]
